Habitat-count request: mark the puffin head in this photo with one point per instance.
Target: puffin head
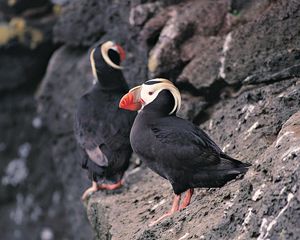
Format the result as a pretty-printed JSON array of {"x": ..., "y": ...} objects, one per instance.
[
  {"x": 156, "y": 94},
  {"x": 107, "y": 54}
]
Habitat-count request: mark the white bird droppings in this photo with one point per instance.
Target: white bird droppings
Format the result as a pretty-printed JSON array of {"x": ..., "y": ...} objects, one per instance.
[
  {"x": 184, "y": 236},
  {"x": 282, "y": 190},
  {"x": 226, "y": 46},
  {"x": 257, "y": 195},
  {"x": 24, "y": 150},
  {"x": 211, "y": 122},
  {"x": 248, "y": 109},
  {"x": 37, "y": 122},
  {"x": 265, "y": 228},
  {"x": 248, "y": 217},
  {"x": 250, "y": 130},
  {"x": 290, "y": 152},
  {"x": 15, "y": 172},
  {"x": 226, "y": 147},
  {"x": 157, "y": 205},
  {"x": 282, "y": 136},
  {"x": 47, "y": 234}
]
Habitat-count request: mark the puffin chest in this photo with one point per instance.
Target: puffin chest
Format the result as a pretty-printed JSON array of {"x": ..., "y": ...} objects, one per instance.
[
  {"x": 142, "y": 140},
  {"x": 143, "y": 144}
]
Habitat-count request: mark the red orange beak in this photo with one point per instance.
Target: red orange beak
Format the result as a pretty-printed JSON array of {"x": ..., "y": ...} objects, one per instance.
[
  {"x": 128, "y": 102},
  {"x": 121, "y": 52}
]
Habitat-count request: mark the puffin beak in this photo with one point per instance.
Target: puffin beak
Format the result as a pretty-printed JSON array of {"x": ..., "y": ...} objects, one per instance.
[
  {"x": 131, "y": 101},
  {"x": 121, "y": 52}
]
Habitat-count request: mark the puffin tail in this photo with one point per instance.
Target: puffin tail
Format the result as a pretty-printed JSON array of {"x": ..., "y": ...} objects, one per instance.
[{"x": 234, "y": 166}]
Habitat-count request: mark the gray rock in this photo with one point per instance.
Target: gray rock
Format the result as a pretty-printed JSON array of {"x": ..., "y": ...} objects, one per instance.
[
  {"x": 191, "y": 106},
  {"x": 252, "y": 127},
  {"x": 199, "y": 18},
  {"x": 199, "y": 44},
  {"x": 265, "y": 45},
  {"x": 203, "y": 54},
  {"x": 141, "y": 13},
  {"x": 25, "y": 47},
  {"x": 87, "y": 23},
  {"x": 28, "y": 181},
  {"x": 68, "y": 77}
]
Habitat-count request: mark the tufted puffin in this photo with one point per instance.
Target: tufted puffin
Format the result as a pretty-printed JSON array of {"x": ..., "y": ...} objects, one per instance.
[
  {"x": 101, "y": 128},
  {"x": 175, "y": 148}
]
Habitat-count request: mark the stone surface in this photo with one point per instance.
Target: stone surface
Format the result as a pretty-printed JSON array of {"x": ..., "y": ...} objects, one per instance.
[
  {"x": 252, "y": 125},
  {"x": 203, "y": 55},
  {"x": 57, "y": 96},
  {"x": 258, "y": 48},
  {"x": 191, "y": 106},
  {"x": 208, "y": 48},
  {"x": 30, "y": 193},
  {"x": 107, "y": 20},
  {"x": 265, "y": 133},
  {"x": 200, "y": 18},
  {"x": 25, "y": 48},
  {"x": 68, "y": 77}
]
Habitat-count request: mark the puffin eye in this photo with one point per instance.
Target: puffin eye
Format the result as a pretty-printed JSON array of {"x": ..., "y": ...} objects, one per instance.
[{"x": 150, "y": 93}]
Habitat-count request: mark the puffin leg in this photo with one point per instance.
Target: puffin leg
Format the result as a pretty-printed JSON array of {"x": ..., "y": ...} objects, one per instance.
[
  {"x": 89, "y": 191},
  {"x": 187, "y": 198},
  {"x": 111, "y": 186},
  {"x": 175, "y": 207}
]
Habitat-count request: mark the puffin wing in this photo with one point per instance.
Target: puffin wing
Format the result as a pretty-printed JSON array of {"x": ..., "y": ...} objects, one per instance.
[
  {"x": 87, "y": 125},
  {"x": 94, "y": 130},
  {"x": 183, "y": 145},
  {"x": 120, "y": 126},
  {"x": 88, "y": 131}
]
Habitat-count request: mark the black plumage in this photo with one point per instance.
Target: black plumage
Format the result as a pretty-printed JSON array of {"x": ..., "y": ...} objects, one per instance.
[
  {"x": 178, "y": 150},
  {"x": 101, "y": 128}
]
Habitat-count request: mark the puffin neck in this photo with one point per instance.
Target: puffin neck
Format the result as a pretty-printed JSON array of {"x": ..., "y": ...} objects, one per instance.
[
  {"x": 118, "y": 87},
  {"x": 111, "y": 79}
]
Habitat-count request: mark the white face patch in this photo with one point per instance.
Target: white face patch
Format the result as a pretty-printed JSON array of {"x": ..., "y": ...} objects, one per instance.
[
  {"x": 150, "y": 92},
  {"x": 93, "y": 63},
  {"x": 104, "y": 51}
]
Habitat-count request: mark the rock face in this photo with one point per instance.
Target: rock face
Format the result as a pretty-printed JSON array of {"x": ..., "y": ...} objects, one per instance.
[
  {"x": 237, "y": 66},
  {"x": 30, "y": 193},
  {"x": 270, "y": 52},
  {"x": 257, "y": 123},
  {"x": 264, "y": 204},
  {"x": 25, "y": 44}
]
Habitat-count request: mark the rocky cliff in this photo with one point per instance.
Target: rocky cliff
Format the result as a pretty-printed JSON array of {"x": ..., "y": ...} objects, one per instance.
[{"x": 237, "y": 65}]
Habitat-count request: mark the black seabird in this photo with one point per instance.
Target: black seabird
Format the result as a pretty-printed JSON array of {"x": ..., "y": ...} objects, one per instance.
[
  {"x": 101, "y": 128},
  {"x": 175, "y": 148}
]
